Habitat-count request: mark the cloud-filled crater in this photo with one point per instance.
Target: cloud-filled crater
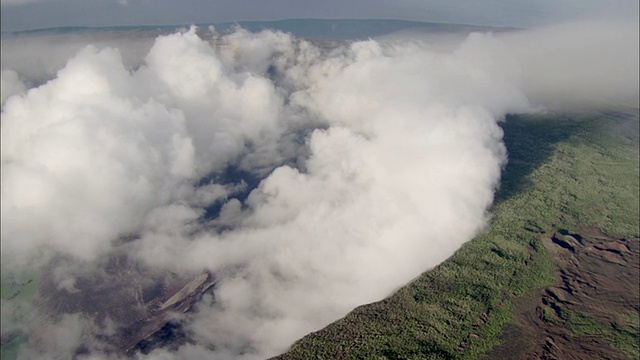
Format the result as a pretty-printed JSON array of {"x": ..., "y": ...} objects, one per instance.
[{"x": 306, "y": 178}]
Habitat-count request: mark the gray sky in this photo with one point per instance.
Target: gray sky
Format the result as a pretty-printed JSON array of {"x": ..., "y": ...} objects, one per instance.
[{"x": 35, "y": 14}]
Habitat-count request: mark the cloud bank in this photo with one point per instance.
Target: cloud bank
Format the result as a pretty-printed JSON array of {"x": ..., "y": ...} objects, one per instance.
[{"x": 308, "y": 178}]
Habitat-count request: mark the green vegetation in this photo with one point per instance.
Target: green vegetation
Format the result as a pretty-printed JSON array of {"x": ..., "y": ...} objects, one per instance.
[
  {"x": 18, "y": 290},
  {"x": 563, "y": 172},
  {"x": 10, "y": 350},
  {"x": 16, "y": 295},
  {"x": 623, "y": 337}
]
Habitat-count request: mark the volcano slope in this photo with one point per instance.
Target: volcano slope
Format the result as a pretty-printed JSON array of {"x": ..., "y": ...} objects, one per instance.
[{"x": 555, "y": 276}]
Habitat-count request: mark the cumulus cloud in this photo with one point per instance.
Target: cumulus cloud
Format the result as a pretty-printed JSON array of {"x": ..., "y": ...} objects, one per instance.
[
  {"x": 10, "y": 85},
  {"x": 308, "y": 178},
  {"x": 81, "y": 147}
]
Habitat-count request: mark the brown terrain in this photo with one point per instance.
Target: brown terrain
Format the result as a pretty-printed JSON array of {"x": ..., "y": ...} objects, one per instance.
[
  {"x": 590, "y": 313},
  {"x": 123, "y": 307}
]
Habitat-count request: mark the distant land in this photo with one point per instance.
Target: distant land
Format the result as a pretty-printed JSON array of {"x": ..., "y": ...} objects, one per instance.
[{"x": 348, "y": 29}]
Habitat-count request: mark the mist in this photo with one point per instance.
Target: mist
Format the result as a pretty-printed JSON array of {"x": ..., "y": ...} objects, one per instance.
[{"x": 309, "y": 178}]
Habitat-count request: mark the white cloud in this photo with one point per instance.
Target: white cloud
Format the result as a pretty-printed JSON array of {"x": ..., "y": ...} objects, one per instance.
[
  {"x": 10, "y": 85},
  {"x": 79, "y": 147},
  {"x": 378, "y": 160},
  {"x": 579, "y": 64}
]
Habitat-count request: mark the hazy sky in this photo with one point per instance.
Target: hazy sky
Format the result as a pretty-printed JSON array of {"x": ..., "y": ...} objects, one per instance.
[{"x": 34, "y": 14}]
